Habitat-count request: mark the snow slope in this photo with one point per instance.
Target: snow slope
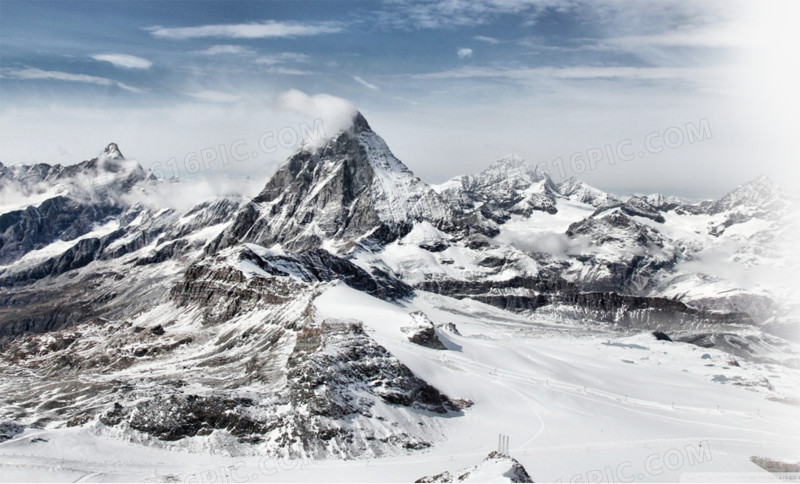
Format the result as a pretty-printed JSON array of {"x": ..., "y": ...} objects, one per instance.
[{"x": 574, "y": 403}]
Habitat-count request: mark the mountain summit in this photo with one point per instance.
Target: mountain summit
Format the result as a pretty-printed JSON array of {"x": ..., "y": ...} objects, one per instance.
[
  {"x": 351, "y": 188},
  {"x": 112, "y": 152},
  {"x": 509, "y": 186}
]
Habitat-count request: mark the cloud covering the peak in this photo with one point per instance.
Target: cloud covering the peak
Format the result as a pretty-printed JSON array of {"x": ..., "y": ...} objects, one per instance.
[{"x": 335, "y": 113}]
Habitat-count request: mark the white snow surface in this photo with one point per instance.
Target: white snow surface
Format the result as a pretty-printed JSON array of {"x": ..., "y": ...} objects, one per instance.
[
  {"x": 573, "y": 402},
  {"x": 397, "y": 194}
]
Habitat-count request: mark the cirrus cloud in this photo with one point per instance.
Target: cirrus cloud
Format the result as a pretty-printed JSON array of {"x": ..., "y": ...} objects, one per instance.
[
  {"x": 227, "y": 50},
  {"x": 123, "y": 60},
  {"x": 32, "y": 73},
  {"x": 366, "y": 84},
  {"x": 214, "y": 96},
  {"x": 253, "y": 30}
]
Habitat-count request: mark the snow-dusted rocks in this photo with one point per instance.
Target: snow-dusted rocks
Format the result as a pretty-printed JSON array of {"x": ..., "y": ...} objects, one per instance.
[
  {"x": 350, "y": 189},
  {"x": 62, "y": 202},
  {"x": 509, "y": 186},
  {"x": 496, "y": 467},
  {"x": 421, "y": 331},
  {"x": 580, "y": 191},
  {"x": 9, "y": 430}
]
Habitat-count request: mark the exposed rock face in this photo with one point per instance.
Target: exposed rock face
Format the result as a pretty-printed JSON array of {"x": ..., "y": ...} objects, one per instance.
[
  {"x": 318, "y": 265},
  {"x": 227, "y": 330},
  {"x": 9, "y": 430},
  {"x": 353, "y": 187},
  {"x": 335, "y": 373},
  {"x": 634, "y": 206},
  {"x": 225, "y": 293},
  {"x": 56, "y": 218},
  {"x": 323, "y": 378},
  {"x": 79, "y": 255},
  {"x": 174, "y": 417},
  {"x": 116, "y": 273},
  {"x": 552, "y": 294}
]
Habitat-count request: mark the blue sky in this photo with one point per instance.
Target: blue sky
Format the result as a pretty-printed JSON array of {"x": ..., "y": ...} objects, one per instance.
[{"x": 450, "y": 85}]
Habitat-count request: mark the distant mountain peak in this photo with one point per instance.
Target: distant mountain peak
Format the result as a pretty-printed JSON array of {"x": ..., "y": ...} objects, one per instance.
[
  {"x": 758, "y": 194},
  {"x": 511, "y": 160},
  {"x": 112, "y": 152},
  {"x": 514, "y": 165},
  {"x": 360, "y": 124}
]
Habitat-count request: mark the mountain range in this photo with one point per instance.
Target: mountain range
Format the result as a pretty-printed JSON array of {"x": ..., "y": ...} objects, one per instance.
[{"x": 311, "y": 320}]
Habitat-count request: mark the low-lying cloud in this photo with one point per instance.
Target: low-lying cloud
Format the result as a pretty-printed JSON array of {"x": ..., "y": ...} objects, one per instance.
[
  {"x": 551, "y": 243},
  {"x": 186, "y": 193}
]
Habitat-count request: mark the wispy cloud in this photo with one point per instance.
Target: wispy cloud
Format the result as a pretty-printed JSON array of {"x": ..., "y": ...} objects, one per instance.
[
  {"x": 277, "y": 63},
  {"x": 123, "y": 60},
  {"x": 260, "y": 30},
  {"x": 227, "y": 49},
  {"x": 214, "y": 96},
  {"x": 39, "y": 74},
  {"x": 286, "y": 71},
  {"x": 715, "y": 36},
  {"x": 464, "y": 53},
  {"x": 454, "y": 13},
  {"x": 487, "y": 39},
  {"x": 282, "y": 58},
  {"x": 366, "y": 84},
  {"x": 577, "y": 72}
]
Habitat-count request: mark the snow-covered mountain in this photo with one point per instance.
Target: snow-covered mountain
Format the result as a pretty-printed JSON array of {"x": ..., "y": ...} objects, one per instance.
[
  {"x": 509, "y": 186},
  {"x": 351, "y": 310},
  {"x": 352, "y": 188}
]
